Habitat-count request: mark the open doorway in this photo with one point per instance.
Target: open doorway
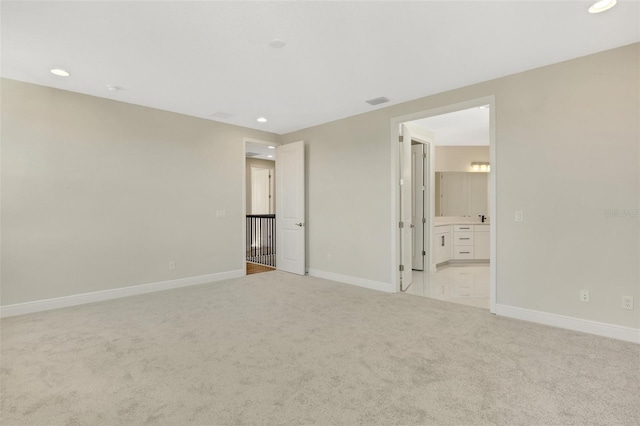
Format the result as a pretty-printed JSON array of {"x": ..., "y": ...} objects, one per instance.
[
  {"x": 459, "y": 203},
  {"x": 277, "y": 239},
  {"x": 260, "y": 199}
]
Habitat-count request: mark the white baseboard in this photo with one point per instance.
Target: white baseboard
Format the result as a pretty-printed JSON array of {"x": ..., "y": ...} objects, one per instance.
[
  {"x": 586, "y": 326},
  {"x": 347, "y": 279},
  {"x": 98, "y": 296}
]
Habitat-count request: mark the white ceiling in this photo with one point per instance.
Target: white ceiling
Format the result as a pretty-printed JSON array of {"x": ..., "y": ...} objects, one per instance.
[
  {"x": 469, "y": 127},
  {"x": 202, "y": 58},
  {"x": 260, "y": 151}
]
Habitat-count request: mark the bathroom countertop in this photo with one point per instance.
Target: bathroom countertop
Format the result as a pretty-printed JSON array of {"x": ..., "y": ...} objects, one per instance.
[{"x": 444, "y": 221}]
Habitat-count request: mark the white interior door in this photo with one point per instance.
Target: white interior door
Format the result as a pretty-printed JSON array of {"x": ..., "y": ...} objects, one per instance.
[
  {"x": 406, "y": 244},
  {"x": 418, "y": 216},
  {"x": 260, "y": 190},
  {"x": 290, "y": 214}
]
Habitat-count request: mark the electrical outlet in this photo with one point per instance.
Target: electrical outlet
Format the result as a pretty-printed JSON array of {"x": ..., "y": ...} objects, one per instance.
[
  {"x": 172, "y": 266},
  {"x": 627, "y": 302},
  {"x": 584, "y": 295}
]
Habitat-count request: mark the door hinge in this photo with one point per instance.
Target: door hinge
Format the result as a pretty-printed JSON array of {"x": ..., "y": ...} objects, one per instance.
[
  {"x": 424, "y": 253},
  {"x": 424, "y": 155},
  {"x": 424, "y": 220},
  {"x": 400, "y": 138},
  {"x": 401, "y": 225},
  {"x": 401, "y": 268}
]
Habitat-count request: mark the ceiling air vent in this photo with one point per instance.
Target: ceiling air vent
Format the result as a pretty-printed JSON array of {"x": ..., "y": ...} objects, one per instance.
[
  {"x": 252, "y": 154},
  {"x": 377, "y": 101}
]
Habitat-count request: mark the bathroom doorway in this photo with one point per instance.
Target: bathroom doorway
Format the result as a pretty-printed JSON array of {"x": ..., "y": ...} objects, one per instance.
[{"x": 459, "y": 204}]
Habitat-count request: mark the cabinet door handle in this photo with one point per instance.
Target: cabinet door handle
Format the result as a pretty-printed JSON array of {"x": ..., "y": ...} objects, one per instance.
[
  {"x": 465, "y": 238},
  {"x": 464, "y": 228},
  {"x": 442, "y": 244},
  {"x": 465, "y": 252}
]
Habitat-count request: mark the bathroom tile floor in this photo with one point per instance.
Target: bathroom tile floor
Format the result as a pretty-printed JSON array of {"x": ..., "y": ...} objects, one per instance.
[{"x": 464, "y": 284}]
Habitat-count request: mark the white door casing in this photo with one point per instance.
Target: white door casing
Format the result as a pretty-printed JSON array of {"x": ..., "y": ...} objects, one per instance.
[
  {"x": 427, "y": 139},
  {"x": 406, "y": 249},
  {"x": 290, "y": 208},
  {"x": 418, "y": 183}
]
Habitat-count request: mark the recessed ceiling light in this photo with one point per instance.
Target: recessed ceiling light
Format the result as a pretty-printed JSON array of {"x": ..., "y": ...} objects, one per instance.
[
  {"x": 269, "y": 156},
  {"x": 602, "y": 5},
  {"x": 60, "y": 72},
  {"x": 276, "y": 43},
  {"x": 113, "y": 88},
  {"x": 262, "y": 120},
  {"x": 271, "y": 147}
]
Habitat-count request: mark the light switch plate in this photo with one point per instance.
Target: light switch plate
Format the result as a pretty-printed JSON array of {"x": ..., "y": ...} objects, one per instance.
[{"x": 519, "y": 216}]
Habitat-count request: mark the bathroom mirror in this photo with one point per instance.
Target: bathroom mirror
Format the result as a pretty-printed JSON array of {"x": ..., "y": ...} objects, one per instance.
[{"x": 461, "y": 194}]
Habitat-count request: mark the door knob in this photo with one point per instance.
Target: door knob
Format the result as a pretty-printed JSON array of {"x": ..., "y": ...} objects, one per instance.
[{"x": 299, "y": 224}]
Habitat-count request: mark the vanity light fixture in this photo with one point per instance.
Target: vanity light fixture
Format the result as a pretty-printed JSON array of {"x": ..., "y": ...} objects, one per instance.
[
  {"x": 60, "y": 72},
  {"x": 478, "y": 166},
  {"x": 602, "y": 5}
]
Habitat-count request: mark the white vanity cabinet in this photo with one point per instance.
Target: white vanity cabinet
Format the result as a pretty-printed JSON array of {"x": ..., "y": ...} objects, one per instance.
[
  {"x": 471, "y": 242},
  {"x": 442, "y": 244},
  {"x": 481, "y": 242},
  {"x": 460, "y": 241},
  {"x": 463, "y": 242}
]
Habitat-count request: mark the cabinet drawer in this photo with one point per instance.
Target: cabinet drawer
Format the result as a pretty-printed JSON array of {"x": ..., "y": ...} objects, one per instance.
[
  {"x": 463, "y": 252},
  {"x": 463, "y": 239},
  {"x": 462, "y": 228},
  {"x": 481, "y": 228}
]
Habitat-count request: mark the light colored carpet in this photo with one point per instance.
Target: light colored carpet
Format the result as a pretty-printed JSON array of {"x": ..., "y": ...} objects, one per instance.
[{"x": 275, "y": 348}]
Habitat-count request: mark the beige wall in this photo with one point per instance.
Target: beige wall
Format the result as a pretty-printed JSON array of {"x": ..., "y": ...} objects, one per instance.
[
  {"x": 98, "y": 194},
  {"x": 266, "y": 164},
  {"x": 567, "y": 146},
  {"x": 459, "y": 158}
]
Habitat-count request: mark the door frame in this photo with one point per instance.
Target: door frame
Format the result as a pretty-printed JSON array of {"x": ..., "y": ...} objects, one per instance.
[
  {"x": 428, "y": 142},
  {"x": 395, "y": 193},
  {"x": 243, "y": 219}
]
